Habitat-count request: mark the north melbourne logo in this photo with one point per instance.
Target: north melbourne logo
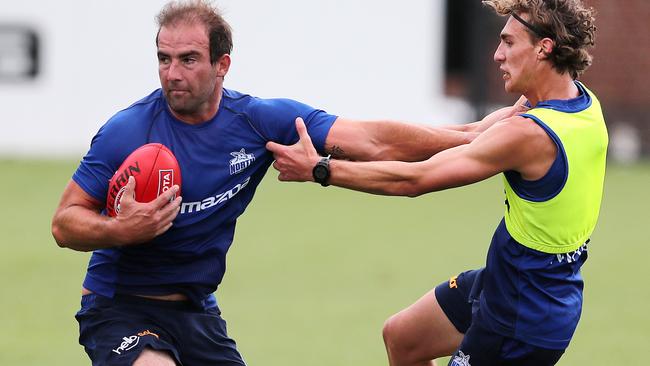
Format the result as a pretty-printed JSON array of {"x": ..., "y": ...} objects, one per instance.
[
  {"x": 460, "y": 360},
  {"x": 240, "y": 161}
]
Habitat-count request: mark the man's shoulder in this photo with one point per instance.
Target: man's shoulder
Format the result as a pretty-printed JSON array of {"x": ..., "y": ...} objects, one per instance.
[
  {"x": 234, "y": 95},
  {"x": 260, "y": 108},
  {"x": 237, "y": 101},
  {"x": 517, "y": 132},
  {"x": 140, "y": 111},
  {"x": 150, "y": 101},
  {"x": 135, "y": 120},
  {"x": 515, "y": 124}
]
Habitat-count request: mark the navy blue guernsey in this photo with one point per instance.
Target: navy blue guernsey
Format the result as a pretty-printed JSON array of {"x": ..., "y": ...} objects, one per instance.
[
  {"x": 222, "y": 161},
  {"x": 529, "y": 295}
]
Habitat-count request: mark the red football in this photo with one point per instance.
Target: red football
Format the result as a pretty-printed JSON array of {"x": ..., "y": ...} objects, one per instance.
[{"x": 155, "y": 170}]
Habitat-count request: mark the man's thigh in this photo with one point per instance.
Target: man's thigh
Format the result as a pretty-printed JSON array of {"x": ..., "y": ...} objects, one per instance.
[
  {"x": 433, "y": 326},
  {"x": 112, "y": 335},
  {"x": 117, "y": 331},
  {"x": 150, "y": 357},
  {"x": 458, "y": 298},
  {"x": 205, "y": 341},
  {"x": 481, "y": 347}
]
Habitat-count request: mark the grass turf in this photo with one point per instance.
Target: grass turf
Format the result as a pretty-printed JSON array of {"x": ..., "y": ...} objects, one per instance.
[{"x": 314, "y": 272}]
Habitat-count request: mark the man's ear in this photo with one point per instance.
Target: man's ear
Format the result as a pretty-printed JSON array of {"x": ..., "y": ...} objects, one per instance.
[
  {"x": 223, "y": 65},
  {"x": 545, "y": 47}
]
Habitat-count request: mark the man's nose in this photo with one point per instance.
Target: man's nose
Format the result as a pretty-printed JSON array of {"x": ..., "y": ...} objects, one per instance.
[
  {"x": 498, "y": 55},
  {"x": 174, "y": 71}
]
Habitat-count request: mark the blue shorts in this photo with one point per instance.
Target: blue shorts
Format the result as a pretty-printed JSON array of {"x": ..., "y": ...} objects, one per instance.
[
  {"x": 458, "y": 298},
  {"x": 114, "y": 331}
]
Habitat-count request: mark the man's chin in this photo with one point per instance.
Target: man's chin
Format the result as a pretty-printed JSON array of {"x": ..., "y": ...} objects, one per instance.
[
  {"x": 178, "y": 106},
  {"x": 181, "y": 111},
  {"x": 509, "y": 88}
]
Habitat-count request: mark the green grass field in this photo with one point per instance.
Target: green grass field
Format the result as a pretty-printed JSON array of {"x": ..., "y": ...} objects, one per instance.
[{"x": 314, "y": 272}]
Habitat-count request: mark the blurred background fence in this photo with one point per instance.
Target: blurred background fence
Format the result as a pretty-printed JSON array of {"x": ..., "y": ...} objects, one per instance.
[{"x": 67, "y": 66}]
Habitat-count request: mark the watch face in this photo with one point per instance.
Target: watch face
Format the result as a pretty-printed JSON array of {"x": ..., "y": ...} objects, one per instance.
[{"x": 320, "y": 173}]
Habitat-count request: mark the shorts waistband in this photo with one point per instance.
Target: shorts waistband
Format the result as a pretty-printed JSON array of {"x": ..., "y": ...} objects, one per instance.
[{"x": 90, "y": 299}]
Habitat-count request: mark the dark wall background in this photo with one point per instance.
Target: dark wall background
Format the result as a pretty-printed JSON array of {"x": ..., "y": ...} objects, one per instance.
[{"x": 620, "y": 74}]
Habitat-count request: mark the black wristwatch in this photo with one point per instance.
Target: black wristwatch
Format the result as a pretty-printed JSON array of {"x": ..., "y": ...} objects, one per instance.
[{"x": 321, "y": 171}]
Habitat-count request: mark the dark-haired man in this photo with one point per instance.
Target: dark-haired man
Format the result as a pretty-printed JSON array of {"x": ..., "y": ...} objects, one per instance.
[
  {"x": 148, "y": 292},
  {"x": 523, "y": 307}
]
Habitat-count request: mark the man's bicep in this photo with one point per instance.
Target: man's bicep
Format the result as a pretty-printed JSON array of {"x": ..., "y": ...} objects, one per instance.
[
  {"x": 455, "y": 167},
  {"x": 388, "y": 140},
  {"x": 348, "y": 139},
  {"x": 493, "y": 152},
  {"x": 74, "y": 195}
]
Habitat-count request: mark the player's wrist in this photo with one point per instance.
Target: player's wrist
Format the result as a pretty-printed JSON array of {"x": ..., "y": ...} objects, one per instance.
[
  {"x": 114, "y": 232},
  {"x": 321, "y": 171}
]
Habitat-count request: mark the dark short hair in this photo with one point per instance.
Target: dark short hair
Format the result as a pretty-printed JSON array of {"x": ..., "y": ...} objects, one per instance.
[
  {"x": 569, "y": 23},
  {"x": 201, "y": 12}
]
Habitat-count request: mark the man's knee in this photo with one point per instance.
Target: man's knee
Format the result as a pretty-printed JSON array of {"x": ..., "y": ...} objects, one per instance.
[
  {"x": 399, "y": 343},
  {"x": 420, "y": 333},
  {"x": 151, "y": 357}
]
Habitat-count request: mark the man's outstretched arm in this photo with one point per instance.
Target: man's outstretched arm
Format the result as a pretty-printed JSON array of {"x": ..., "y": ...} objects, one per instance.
[
  {"x": 390, "y": 140},
  {"x": 509, "y": 145}
]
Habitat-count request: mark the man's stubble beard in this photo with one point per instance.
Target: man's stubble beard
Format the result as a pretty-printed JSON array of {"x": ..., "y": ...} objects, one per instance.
[{"x": 183, "y": 106}]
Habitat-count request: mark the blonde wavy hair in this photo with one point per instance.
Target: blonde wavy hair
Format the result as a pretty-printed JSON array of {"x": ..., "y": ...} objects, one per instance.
[{"x": 569, "y": 23}]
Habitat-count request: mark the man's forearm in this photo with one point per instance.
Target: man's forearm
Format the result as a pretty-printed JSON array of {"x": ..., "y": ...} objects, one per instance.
[
  {"x": 82, "y": 229},
  {"x": 492, "y": 118},
  {"x": 391, "y": 178},
  {"x": 418, "y": 145}
]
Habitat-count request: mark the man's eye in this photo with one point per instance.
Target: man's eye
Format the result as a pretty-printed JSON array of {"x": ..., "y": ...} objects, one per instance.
[{"x": 189, "y": 60}]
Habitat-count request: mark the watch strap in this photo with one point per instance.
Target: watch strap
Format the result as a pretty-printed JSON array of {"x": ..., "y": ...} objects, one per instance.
[{"x": 321, "y": 172}]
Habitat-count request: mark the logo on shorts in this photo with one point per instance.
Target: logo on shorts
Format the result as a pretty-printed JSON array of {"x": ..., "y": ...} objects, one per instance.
[
  {"x": 572, "y": 256},
  {"x": 130, "y": 342},
  {"x": 460, "y": 360},
  {"x": 240, "y": 161},
  {"x": 452, "y": 282}
]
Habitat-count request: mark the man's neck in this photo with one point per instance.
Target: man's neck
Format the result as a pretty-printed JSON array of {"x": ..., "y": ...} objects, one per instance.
[
  {"x": 207, "y": 113},
  {"x": 552, "y": 86}
]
